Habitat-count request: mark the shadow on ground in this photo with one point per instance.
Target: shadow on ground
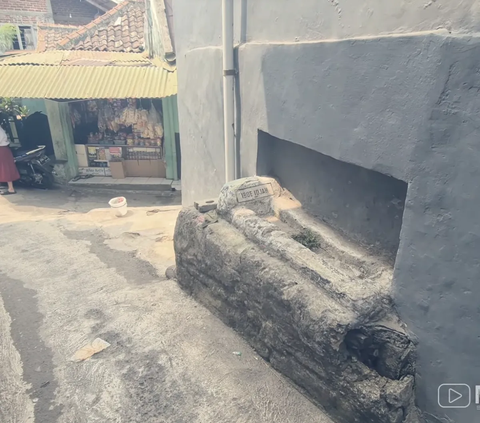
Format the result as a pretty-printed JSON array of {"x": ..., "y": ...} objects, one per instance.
[{"x": 85, "y": 199}]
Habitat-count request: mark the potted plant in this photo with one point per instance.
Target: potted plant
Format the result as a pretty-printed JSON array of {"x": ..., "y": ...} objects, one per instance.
[{"x": 12, "y": 113}]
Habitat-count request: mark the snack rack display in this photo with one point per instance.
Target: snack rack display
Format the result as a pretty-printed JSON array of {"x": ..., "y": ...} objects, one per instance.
[{"x": 129, "y": 130}]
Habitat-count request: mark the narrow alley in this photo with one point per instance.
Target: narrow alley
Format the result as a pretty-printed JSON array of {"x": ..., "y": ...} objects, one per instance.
[{"x": 72, "y": 272}]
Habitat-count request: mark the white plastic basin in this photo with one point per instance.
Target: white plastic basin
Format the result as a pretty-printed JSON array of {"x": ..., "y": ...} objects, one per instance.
[{"x": 119, "y": 205}]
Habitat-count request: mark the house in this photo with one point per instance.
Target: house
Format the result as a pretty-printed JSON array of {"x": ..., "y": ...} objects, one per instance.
[
  {"x": 27, "y": 15},
  {"x": 75, "y": 12},
  {"x": 349, "y": 105},
  {"x": 120, "y": 29},
  {"x": 107, "y": 62}
]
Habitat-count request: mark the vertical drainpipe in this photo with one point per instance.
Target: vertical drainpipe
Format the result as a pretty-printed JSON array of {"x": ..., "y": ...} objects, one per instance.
[
  {"x": 170, "y": 126},
  {"x": 228, "y": 90}
]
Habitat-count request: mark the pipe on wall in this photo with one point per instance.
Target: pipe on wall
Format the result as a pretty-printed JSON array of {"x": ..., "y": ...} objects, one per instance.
[{"x": 228, "y": 90}]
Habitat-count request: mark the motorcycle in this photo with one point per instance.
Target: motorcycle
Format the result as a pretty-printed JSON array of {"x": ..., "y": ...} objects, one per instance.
[{"x": 35, "y": 167}]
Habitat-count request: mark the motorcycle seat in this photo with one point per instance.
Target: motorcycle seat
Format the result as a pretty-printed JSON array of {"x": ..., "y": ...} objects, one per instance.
[{"x": 22, "y": 153}]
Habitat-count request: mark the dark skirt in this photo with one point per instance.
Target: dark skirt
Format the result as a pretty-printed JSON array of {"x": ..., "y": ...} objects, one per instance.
[{"x": 8, "y": 170}]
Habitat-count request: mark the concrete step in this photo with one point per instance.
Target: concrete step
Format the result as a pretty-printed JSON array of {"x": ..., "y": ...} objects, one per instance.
[{"x": 129, "y": 184}]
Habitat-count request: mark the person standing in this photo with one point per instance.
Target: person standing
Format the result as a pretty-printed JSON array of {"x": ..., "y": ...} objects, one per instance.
[{"x": 8, "y": 170}]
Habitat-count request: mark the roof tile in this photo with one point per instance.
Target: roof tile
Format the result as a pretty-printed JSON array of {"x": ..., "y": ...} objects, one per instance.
[{"x": 50, "y": 34}]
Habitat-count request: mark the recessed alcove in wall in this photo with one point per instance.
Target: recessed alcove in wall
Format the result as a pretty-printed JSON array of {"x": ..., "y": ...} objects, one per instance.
[{"x": 364, "y": 205}]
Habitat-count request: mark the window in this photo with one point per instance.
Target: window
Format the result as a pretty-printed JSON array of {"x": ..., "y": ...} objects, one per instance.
[{"x": 26, "y": 38}]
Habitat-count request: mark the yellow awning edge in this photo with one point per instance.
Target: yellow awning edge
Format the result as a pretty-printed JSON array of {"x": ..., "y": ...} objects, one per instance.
[{"x": 86, "y": 82}]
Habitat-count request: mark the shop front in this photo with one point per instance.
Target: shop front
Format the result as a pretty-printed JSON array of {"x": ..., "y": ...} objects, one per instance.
[
  {"x": 110, "y": 114},
  {"x": 119, "y": 138}
]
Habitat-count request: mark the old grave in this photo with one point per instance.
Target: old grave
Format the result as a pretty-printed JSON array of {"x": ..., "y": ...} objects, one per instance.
[{"x": 313, "y": 304}]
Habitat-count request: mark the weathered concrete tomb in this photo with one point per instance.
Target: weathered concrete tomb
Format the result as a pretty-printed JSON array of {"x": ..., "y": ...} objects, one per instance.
[{"x": 311, "y": 302}]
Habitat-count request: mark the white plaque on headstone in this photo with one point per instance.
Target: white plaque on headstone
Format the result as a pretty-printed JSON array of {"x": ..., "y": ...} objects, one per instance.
[{"x": 254, "y": 193}]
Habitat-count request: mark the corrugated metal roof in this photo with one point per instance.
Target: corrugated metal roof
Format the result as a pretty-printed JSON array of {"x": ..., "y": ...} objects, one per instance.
[
  {"x": 84, "y": 82},
  {"x": 71, "y": 58}
]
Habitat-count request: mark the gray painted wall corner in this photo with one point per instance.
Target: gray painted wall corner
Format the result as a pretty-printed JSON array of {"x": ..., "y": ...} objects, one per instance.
[
  {"x": 405, "y": 105},
  {"x": 200, "y": 104}
]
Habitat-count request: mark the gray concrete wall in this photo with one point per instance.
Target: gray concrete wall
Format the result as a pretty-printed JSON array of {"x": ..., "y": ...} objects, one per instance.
[
  {"x": 405, "y": 104},
  {"x": 364, "y": 205},
  {"x": 198, "y": 24}
]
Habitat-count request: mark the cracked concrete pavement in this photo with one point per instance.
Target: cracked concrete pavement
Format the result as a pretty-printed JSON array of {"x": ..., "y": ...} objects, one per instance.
[{"x": 71, "y": 272}]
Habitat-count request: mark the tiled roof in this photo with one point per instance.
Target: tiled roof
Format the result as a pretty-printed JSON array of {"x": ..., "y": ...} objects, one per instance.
[
  {"x": 50, "y": 34},
  {"x": 120, "y": 29}
]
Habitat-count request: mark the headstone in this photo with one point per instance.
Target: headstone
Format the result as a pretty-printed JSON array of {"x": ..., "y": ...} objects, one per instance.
[{"x": 255, "y": 193}]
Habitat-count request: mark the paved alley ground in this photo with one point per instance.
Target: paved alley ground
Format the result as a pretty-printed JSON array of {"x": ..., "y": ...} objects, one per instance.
[{"x": 72, "y": 272}]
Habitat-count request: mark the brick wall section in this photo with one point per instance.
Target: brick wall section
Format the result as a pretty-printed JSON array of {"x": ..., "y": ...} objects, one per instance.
[
  {"x": 29, "y": 11},
  {"x": 20, "y": 19},
  {"x": 24, "y": 5}
]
